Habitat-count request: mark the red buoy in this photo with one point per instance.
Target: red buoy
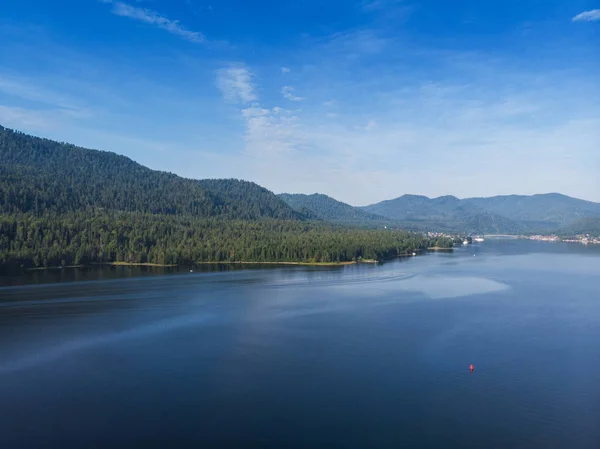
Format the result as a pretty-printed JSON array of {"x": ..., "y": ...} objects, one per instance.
[{"x": 471, "y": 368}]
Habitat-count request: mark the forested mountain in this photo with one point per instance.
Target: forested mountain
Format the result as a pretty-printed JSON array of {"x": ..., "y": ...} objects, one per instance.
[
  {"x": 41, "y": 176},
  {"x": 329, "y": 209},
  {"x": 62, "y": 205},
  {"x": 414, "y": 208},
  {"x": 501, "y": 214},
  {"x": 411, "y": 212},
  {"x": 446, "y": 213},
  {"x": 550, "y": 210},
  {"x": 590, "y": 225},
  {"x": 80, "y": 238}
]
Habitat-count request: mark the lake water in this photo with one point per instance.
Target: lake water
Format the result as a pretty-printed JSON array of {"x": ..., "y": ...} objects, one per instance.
[{"x": 298, "y": 357}]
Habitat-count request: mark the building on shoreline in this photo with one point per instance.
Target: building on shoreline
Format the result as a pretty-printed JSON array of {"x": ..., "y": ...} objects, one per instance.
[{"x": 584, "y": 239}]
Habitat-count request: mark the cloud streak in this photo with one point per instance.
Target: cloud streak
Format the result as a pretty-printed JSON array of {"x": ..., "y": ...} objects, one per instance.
[
  {"x": 395, "y": 116},
  {"x": 395, "y": 137},
  {"x": 288, "y": 94},
  {"x": 22, "y": 118},
  {"x": 375, "y": 5},
  {"x": 29, "y": 91},
  {"x": 236, "y": 84},
  {"x": 587, "y": 16},
  {"x": 151, "y": 17},
  {"x": 272, "y": 133}
]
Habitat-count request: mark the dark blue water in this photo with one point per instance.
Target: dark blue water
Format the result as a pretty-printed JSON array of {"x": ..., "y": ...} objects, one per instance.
[{"x": 295, "y": 357}]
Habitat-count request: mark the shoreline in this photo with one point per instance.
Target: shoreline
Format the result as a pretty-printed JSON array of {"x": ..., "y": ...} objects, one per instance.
[
  {"x": 326, "y": 264},
  {"x": 55, "y": 268},
  {"x": 132, "y": 264},
  {"x": 224, "y": 262},
  {"x": 307, "y": 264},
  {"x": 156, "y": 265}
]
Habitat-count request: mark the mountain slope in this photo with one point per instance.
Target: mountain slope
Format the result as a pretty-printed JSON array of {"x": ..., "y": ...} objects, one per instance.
[
  {"x": 446, "y": 213},
  {"x": 407, "y": 208},
  {"x": 329, "y": 209},
  {"x": 39, "y": 176},
  {"x": 551, "y": 210},
  {"x": 500, "y": 214},
  {"x": 62, "y": 205},
  {"x": 589, "y": 225}
]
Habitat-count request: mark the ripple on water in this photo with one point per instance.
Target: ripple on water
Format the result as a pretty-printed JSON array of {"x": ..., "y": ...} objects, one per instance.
[
  {"x": 334, "y": 280},
  {"x": 434, "y": 287}
]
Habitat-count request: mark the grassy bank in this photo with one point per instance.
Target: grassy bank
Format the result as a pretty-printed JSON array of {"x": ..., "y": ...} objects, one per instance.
[
  {"x": 128, "y": 264},
  {"x": 156, "y": 265},
  {"x": 54, "y": 268},
  {"x": 326, "y": 264}
]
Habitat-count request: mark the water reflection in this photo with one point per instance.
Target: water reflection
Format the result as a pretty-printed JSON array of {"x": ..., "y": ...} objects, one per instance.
[{"x": 356, "y": 356}]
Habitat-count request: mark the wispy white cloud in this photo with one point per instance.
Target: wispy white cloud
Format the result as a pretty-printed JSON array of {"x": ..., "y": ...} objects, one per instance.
[
  {"x": 235, "y": 82},
  {"x": 369, "y": 115},
  {"x": 390, "y": 10},
  {"x": 288, "y": 94},
  {"x": 29, "y": 106},
  {"x": 28, "y": 119},
  {"x": 151, "y": 17},
  {"x": 587, "y": 16},
  {"x": 29, "y": 91},
  {"x": 488, "y": 120},
  {"x": 273, "y": 133},
  {"x": 270, "y": 133},
  {"x": 285, "y": 70},
  {"x": 356, "y": 42},
  {"x": 375, "y": 5}
]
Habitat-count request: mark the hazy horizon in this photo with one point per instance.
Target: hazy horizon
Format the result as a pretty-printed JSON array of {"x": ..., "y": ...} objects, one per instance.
[
  {"x": 361, "y": 100},
  {"x": 441, "y": 196},
  {"x": 362, "y": 205}
]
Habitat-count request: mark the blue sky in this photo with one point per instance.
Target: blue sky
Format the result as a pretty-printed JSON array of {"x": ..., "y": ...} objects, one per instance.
[{"x": 362, "y": 100}]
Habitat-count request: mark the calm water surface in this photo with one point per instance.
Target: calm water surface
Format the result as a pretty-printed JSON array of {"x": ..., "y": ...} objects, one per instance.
[{"x": 296, "y": 357}]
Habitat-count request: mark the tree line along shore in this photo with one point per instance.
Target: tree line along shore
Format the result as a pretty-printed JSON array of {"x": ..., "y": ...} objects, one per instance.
[
  {"x": 85, "y": 238},
  {"x": 62, "y": 205}
]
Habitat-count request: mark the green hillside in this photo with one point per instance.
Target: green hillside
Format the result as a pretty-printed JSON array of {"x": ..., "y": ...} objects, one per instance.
[
  {"x": 329, "y": 209},
  {"x": 63, "y": 205},
  {"x": 446, "y": 213},
  {"x": 547, "y": 211},
  {"x": 81, "y": 238},
  {"x": 590, "y": 225},
  {"x": 41, "y": 176},
  {"x": 513, "y": 214}
]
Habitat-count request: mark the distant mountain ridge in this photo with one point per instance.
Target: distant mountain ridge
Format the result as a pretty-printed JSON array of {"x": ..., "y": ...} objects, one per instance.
[
  {"x": 589, "y": 225},
  {"x": 444, "y": 213},
  {"x": 507, "y": 214},
  {"x": 40, "y": 176},
  {"x": 551, "y": 210},
  {"x": 499, "y": 214},
  {"x": 326, "y": 208}
]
